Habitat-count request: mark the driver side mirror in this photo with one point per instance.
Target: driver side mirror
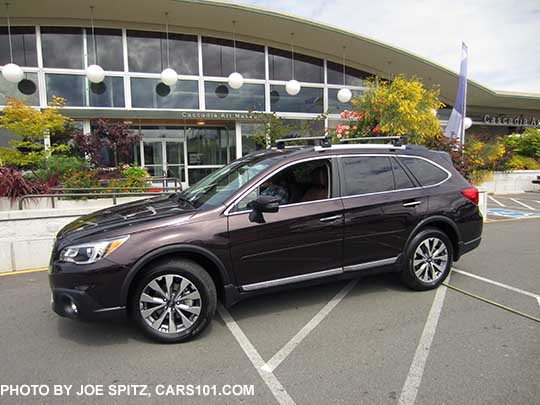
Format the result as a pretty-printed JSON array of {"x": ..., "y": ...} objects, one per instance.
[{"x": 263, "y": 203}]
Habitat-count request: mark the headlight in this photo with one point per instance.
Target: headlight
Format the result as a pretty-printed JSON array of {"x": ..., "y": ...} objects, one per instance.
[{"x": 91, "y": 252}]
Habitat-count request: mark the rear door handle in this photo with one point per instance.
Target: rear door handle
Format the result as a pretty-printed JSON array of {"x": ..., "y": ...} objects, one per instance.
[
  {"x": 412, "y": 203},
  {"x": 330, "y": 219}
]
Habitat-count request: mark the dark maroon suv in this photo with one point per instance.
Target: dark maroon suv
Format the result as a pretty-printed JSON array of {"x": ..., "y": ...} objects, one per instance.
[{"x": 275, "y": 218}]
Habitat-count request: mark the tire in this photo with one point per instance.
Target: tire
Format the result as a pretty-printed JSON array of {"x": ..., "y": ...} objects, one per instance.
[
  {"x": 422, "y": 269},
  {"x": 173, "y": 301}
]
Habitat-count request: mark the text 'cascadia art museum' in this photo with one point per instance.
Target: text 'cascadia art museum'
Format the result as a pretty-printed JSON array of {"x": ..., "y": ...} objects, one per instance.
[{"x": 202, "y": 119}]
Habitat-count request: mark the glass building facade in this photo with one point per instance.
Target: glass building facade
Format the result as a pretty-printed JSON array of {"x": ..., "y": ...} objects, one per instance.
[{"x": 54, "y": 60}]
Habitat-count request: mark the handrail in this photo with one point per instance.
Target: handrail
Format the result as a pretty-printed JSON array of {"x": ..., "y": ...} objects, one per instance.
[
  {"x": 113, "y": 195},
  {"x": 114, "y": 188}
]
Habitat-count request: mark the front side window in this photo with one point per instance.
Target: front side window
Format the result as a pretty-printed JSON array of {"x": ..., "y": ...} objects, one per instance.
[
  {"x": 216, "y": 188},
  {"x": 367, "y": 174},
  {"x": 303, "y": 182},
  {"x": 426, "y": 173}
]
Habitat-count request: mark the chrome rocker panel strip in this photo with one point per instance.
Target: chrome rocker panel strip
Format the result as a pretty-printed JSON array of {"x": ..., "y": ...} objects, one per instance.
[
  {"x": 369, "y": 265},
  {"x": 318, "y": 274}
]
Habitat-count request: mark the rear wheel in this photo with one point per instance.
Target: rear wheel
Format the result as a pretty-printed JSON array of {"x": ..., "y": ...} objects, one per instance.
[
  {"x": 429, "y": 260},
  {"x": 174, "y": 301}
]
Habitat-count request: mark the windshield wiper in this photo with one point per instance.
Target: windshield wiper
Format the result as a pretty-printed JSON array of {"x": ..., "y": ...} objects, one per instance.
[{"x": 180, "y": 198}]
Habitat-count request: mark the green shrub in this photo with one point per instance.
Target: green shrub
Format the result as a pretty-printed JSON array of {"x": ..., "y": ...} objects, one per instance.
[
  {"x": 135, "y": 176},
  {"x": 525, "y": 144},
  {"x": 54, "y": 168},
  {"x": 518, "y": 162},
  {"x": 84, "y": 178}
]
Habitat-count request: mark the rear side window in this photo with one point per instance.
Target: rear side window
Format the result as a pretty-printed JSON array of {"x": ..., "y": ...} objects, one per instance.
[
  {"x": 401, "y": 178},
  {"x": 367, "y": 174},
  {"x": 426, "y": 173}
]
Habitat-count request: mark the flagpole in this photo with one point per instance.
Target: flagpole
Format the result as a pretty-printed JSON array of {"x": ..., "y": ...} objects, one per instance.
[{"x": 464, "y": 104}]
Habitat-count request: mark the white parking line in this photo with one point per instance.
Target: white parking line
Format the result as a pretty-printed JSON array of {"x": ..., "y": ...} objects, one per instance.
[
  {"x": 520, "y": 203},
  {"x": 498, "y": 284},
  {"x": 496, "y": 202},
  {"x": 414, "y": 378},
  {"x": 282, "y": 354},
  {"x": 253, "y": 355}
]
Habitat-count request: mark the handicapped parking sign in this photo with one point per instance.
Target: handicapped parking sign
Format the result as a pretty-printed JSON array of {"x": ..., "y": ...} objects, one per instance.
[{"x": 512, "y": 214}]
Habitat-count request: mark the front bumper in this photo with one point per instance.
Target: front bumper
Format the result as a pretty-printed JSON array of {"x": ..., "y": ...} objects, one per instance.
[{"x": 87, "y": 291}]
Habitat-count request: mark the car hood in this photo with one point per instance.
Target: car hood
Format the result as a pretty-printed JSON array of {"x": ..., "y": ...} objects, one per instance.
[{"x": 127, "y": 218}]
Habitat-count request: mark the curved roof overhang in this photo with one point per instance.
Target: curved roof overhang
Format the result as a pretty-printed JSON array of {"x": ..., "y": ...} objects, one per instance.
[{"x": 269, "y": 27}]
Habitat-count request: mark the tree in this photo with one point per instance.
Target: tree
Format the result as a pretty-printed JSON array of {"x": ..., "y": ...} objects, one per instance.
[
  {"x": 107, "y": 134},
  {"x": 400, "y": 107},
  {"x": 30, "y": 124}
]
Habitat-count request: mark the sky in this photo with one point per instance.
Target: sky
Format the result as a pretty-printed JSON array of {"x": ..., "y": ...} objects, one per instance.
[{"x": 503, "y": 36}]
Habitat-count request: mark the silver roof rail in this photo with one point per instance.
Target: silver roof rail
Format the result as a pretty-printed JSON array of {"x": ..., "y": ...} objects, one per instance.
[
  {"x": 324, "y": 141},
  {"x": 394, "y": 140}
]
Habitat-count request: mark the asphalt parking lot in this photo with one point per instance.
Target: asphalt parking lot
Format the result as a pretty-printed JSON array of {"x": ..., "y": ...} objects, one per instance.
[
  {"x": 367, "y": 342},
  {"x": 517, "y": 206}
]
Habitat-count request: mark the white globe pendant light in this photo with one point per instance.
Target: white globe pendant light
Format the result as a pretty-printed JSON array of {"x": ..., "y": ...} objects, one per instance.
[
  {"x": 467, "y": 123},
  {"x": 236, "y": 80},
  {"x": 169, "y": 77},
  {"x": 344, "y": 95},
  {"x": 12, "y": 73},
  {"x": 293, "y": 87},
  {"x": 95, "y": 73}
]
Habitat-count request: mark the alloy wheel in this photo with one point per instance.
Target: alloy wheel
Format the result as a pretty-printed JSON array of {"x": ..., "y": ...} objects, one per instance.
[
  {"x": 170, "y": 303},
  {"x": 430, "y": 260}
]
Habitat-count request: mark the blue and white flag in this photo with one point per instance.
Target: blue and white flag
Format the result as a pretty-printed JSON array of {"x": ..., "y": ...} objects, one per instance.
[{"x": 454, "y": 128}]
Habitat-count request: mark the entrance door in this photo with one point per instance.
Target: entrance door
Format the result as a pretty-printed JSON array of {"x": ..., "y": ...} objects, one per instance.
[{"x": 165, "y": 158}]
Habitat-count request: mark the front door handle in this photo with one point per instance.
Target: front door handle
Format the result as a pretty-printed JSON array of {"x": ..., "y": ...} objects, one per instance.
[
  {"x": 412, "y": 203},
  {"x": 330, "y": 219}
]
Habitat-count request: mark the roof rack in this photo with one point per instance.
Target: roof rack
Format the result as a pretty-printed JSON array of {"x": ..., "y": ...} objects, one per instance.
[
  {"x": 324, "y": 141},
  {"x": 394, "y": 140}
]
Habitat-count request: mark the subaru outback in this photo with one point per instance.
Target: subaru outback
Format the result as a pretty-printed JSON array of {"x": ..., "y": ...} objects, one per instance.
[{"x": 276, "y": 218}]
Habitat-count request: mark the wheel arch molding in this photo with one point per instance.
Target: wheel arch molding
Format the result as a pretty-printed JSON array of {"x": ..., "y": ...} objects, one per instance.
[
  {"x": 177, "y": 249},
  {"x": 444, "y": 224}
]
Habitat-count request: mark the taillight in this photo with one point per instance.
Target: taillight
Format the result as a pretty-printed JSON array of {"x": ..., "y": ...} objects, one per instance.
[{"x": 471, "y": 194}]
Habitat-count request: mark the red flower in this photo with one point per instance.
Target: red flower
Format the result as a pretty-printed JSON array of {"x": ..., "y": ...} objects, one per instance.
[{"x": 376, "y": 130}]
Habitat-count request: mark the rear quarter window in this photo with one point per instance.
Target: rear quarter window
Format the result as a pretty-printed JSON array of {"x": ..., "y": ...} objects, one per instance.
[{"x": 425, "y": 172}]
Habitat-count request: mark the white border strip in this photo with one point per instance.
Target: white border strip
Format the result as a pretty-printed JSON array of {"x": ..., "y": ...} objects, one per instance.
[
  {"x": 253, "y": 355},
  {"x": 416, "y": 371},
  {"x": 498, "y": 284},
  {"x": 282, "y": 354}
]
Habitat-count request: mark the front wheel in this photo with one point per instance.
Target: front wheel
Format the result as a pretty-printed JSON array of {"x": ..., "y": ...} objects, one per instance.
[
  {"x": 428, "y": 260},
  {"x": 174, "y": 301}
]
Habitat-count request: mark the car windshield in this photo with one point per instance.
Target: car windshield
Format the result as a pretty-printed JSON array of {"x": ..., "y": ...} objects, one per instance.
[{"x": 214, "y": 189}]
